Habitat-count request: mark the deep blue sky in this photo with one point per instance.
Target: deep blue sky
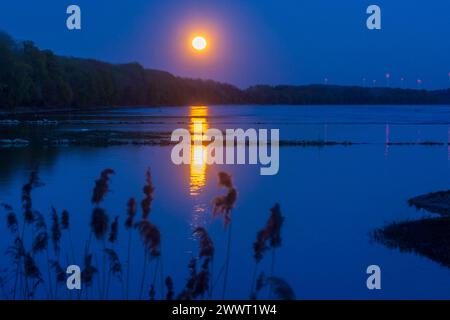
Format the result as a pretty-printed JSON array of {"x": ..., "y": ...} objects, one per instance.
[{"x": 252, "y": 41}]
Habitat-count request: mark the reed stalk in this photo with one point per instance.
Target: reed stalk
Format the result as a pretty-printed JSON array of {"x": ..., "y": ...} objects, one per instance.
[
  {"x": 227, "y": 262},
  {"x": 143, "y": 273}
]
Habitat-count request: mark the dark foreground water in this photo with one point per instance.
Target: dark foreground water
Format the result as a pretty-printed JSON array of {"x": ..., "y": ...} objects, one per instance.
[{"x": 332, "y": 197}]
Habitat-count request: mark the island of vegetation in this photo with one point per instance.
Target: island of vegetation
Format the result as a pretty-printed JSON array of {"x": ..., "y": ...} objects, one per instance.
[{"x": 428, "y": 236}]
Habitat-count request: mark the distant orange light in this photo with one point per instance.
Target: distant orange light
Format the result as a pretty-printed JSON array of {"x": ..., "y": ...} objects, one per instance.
[{"x": 199, "y": 43}]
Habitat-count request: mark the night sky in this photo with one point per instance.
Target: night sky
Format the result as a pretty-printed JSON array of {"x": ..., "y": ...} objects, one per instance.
[{"x": 251, "y": 42}]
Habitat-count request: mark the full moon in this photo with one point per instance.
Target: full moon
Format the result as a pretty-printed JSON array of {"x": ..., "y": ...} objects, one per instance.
[{"x": 199, "y": 43}]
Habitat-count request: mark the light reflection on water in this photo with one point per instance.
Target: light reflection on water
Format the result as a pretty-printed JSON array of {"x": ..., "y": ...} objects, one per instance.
[
  {"x": 197, "y": 179},
  {"x": 198, "y": 167}
]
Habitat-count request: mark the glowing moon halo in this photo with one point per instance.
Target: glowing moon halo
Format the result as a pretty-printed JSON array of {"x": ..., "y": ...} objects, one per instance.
[{"x": 199, "y": 43}]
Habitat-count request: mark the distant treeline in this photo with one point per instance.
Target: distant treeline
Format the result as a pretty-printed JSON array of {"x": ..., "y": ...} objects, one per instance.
[{"x": 30, "y": 77}]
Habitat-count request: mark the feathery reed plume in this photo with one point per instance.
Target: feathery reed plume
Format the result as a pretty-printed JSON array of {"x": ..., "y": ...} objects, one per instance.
[
  {"x": 101, "y": 186},
  {"x": 55, "y": 232},
  {"x": 187, "y": 293},
  {"x": 61, "y": 275},
  {"x": 32, "y": 272},
  {"x": 40, "y": 242},
  {"x": 99, "y": 218},
  {"x": 65, "y": 225},
  {"x": 99, "y": 223},
  {"x": 17, "y": 250},
  {"x": 114, "y": 230},
  {"x": 259, "y": 247},
  {"x": 225, "y": 180},
  {"x": 131, "y": 213},
  {"x": 151, "y": 236},
  {"x": 169, "y": 285},
  {"x": 206, "y": 244},
  {"x": 115, "y": 267},
  {"x": 33, "y": 182},
  {"x": 12, "y": 223},
  {"x": 222, "y": 205},
  {"x": 202, "y": 280},
  {"x": 11, "y": 218},
  {"x": 281, "y": 288},
  {"x": 39, "y": 222},
  {"x": 87, "y": 274},
  {"x": 271, "y": 232},
  {"x": 260, "y": 283},
  {"x": 65, "y": 218},
  {"x": 148, "y": 190},
  {"x": 277, "y": 220}
]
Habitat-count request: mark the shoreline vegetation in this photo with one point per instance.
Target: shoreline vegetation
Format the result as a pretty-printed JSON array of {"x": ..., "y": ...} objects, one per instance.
[
  {"x": 429, "y": 237},
  {"x": 37, "y": 80},
  {"x": 42, "y": 247}
]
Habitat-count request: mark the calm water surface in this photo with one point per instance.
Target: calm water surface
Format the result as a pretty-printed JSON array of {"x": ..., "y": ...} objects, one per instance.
[{"x": 332, "y": 197}]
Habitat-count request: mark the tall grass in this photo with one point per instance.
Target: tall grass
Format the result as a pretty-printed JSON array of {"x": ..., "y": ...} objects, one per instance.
[
  {"x": 40, "y": 251},
  {"x": 223, "y": 206}
]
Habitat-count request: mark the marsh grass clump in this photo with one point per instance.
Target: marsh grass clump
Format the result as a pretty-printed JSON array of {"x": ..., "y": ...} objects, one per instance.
[
  {"x": 65, "y": 220},
  {"x": 40, "y": 241},
  {"x": 27, "y": 203},
  {"x": 99, "y": 223},
  {"x": 151, "y": 237},
  {"x": 32, "y": 273},
  {"x": 223, "y": 205},
  {"x": 269, "y": 238},
  {"x": 428, "y": 237},
  {"x": 270, "y": 235},
  {"x": 131, "y": 213},
  {"x": 49, "y": 243},
  {"x": 114, "y": 232},
  {"x": 12, "y": 223},
  {"x": 56, "y": 232},
  {"x": 206, "y": 244},
  {"x": 146, "y": 203},
  {"x": 280, "y": 287},
  {"x": 28, "y": 274},
  {"x": 101, "y": 186}
]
